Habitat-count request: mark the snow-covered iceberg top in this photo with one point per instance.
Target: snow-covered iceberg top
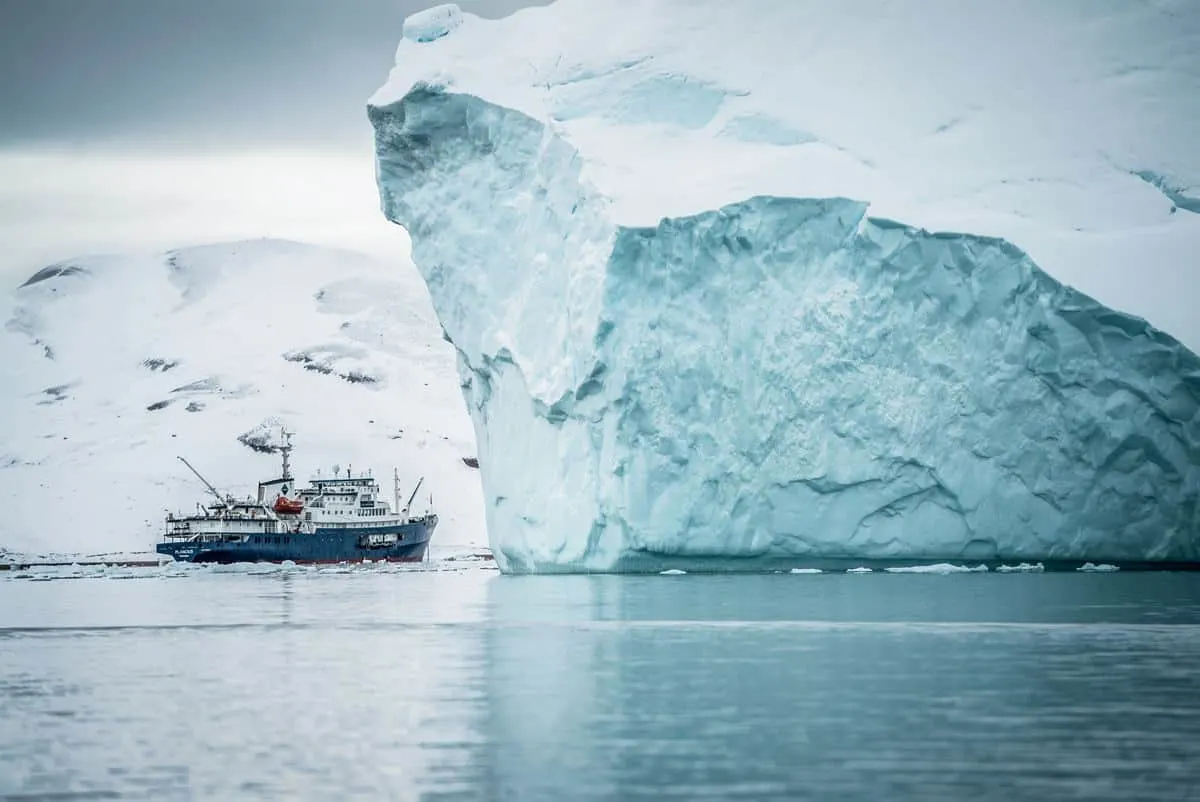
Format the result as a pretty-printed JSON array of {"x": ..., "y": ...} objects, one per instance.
[
  {"x": 432, "y": 23},
  {"x": 679, "y": 338},
  {"x": 1004, "y": 119}
]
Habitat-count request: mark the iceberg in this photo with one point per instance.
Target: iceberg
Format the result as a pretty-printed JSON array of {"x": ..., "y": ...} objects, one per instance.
[{"x": 685, "y": 343}]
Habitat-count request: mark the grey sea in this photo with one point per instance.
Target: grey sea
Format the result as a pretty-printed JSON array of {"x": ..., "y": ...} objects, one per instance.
[{"x": 449, "y": 681}]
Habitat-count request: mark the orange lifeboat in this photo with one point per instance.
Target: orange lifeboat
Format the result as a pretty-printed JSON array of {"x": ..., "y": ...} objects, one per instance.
[{"x": 288, "y": 506}]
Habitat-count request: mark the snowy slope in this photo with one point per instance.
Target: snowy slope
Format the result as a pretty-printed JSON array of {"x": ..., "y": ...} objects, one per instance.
[
  {"x": 114, "y": 365},
  {"x": 679, "y": 339}
]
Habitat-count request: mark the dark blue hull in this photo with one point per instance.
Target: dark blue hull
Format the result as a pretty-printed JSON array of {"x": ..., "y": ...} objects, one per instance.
[{"x": 328, "y": 545}]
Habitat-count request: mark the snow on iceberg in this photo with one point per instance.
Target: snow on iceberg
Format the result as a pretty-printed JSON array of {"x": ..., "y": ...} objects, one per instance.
[
  {"x": 680, "y": 339},
  {"x": 432, "y": 23}
]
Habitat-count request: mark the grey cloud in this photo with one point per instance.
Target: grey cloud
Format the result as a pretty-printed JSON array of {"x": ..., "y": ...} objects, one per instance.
[{"x": 175, "y": 73}]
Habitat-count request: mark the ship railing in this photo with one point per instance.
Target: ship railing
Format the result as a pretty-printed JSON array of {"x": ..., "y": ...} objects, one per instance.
[{"x": 374, "y": 524}]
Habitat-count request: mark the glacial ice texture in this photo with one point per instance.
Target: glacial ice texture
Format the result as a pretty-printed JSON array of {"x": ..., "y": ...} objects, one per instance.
[{"x": 779, "y": 377}]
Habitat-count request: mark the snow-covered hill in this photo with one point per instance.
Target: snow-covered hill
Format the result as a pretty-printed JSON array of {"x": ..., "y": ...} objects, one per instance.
[{"x": 112, "y": 366}]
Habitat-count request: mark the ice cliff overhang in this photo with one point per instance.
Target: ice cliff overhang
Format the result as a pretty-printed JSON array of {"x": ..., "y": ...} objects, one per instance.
[{"x": 678, "y": 341}]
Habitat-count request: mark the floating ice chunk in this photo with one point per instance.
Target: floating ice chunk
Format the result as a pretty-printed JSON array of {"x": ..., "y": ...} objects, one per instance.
[
  {"x": 1021, "y": 568},
  {"x": 1097, "y": 568},
  {"x": 939, "y": 568},
  {"x": 432, "y": 23}
]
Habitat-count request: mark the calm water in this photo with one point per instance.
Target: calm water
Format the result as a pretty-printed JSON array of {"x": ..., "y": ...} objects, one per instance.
[{"x": 461, "y": 684}]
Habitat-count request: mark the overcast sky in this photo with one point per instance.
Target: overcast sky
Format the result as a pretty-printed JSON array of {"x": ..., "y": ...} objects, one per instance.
[
  {"x": 141, "y": 125},
  {"x": 187, "y": 74}
]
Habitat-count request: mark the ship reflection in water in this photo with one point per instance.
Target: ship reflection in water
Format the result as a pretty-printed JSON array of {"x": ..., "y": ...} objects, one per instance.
[{"x": 451, "y": 682}]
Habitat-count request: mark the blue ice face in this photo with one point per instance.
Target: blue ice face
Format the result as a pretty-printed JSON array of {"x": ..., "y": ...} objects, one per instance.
[{"x": 781, "y": 378}]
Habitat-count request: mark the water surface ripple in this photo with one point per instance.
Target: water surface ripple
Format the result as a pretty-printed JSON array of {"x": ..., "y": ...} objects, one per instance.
[{"x": 456, "y": 683}]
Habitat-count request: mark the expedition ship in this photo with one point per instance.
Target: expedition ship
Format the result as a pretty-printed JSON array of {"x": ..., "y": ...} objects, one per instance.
[{"x": 336, "y": 519}]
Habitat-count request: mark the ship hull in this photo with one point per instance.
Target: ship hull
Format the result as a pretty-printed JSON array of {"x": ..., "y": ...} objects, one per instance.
[{"x": 406, "y": 542}]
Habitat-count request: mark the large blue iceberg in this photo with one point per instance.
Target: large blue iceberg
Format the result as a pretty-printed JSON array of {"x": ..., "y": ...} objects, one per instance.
[{"x": 777, "y": 381}]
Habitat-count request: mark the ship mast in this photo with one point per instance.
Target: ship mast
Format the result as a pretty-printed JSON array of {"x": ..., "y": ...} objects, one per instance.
[
  {"x": 396, "y": 487},
  {"x": 286, "y": 451}
]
